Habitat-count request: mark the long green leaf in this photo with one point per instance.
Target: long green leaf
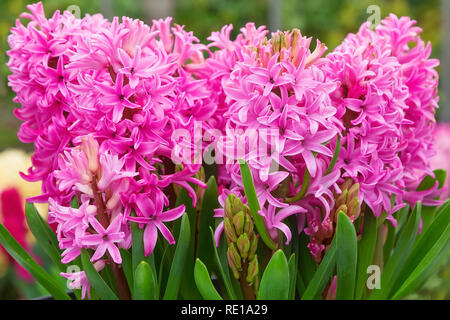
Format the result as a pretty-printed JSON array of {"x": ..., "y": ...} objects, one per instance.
[
  {"x": 389, "y": 242},
  {"x": 306, "y": 266},
  {"x": 223, "y": 270},
  {"x": 346, "y": 257},
  {"x": 210, "y": 202},
  {"x": 366, "y": 250},
  {"x": 187, "y": 289},
  {"x": 440, "y": 247},
  {"x": 204, "y": 283},
  {"x": 179, "y": 260},
  {"x": 127, "y": 266},
  {"x": 292, "y": 264},
  {"x": 337, "y": 151},
  {"x": 424, "y": 244},
  {"x": 323, "y": 273},
  {"x": 428, "y": 182},
  {"x": 96, "y": 281},
  {"x": 401, "y": 251},
  {"x": 145, "y": 283},
  {"x": 275, "y": 280},
  {"x": 44, "y": 235},
  {"x": 253, "y": 204},
  {"x": 137, "y": 248},
  {"x": 28, "y": 263}
]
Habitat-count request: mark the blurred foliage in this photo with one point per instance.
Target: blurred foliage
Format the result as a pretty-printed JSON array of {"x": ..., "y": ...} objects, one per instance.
[{"x": 329, "y": 20}]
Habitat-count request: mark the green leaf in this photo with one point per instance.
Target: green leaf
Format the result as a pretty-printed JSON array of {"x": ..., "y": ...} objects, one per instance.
[
  {"x": 402, "y": 217},
  {"x": 204, "y": 283},
  {"x": 307, "y": 266},
  {"x": 145, "y": 283},
  {"x": 127, "y": 266},
  {"x": 187, "y": 289},
  {"x": 337, "y": 151},
  {"x": 253, "y": 204},
  {"x": 346, "y": 257},
  {"x": 432, "y": 257},
  {"x": 323, "y": 273},
  {"x": 389, "y": 243},
  {"x": 96, "y": 281},
  {"x": 428, "y": 212},
  {"x": 210, "y": 202},
  {"x": 107, "y": 275},
  {"x": 223, "y": 270},
  {"x": 137, "y": 248},
  {"x": 425, "y": 243},
  {"x": 428, "y": 266},
  {"x": 275, "y": 280},
  {"x": 28, "y": 263},
  {"x": 428, "y": 181},
  {"x": 402, "y": 249},
  {"x": 366, "y": 250},
  {"x": 44, "y": 235},
  {"x": 306, "y": 181},
  {"x": 179, "y": 260},
  {"x": 292, "y": 264}
]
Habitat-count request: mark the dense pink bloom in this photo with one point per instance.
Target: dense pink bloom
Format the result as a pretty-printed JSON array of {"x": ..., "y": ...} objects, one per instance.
[
  {"x": 278, "y": 114},
  {"x": 442, "y": 158},
  {"x": 113, "y": 109},
  {"x": 79, "y": 279},
  {"x": 386, "y": 102},
  {"x": 101, "y": 101},
  {"x": 104, "y": 240}
]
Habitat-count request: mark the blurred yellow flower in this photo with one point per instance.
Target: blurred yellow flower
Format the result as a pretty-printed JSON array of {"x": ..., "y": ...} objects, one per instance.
[{"x": 12, "y": 162}]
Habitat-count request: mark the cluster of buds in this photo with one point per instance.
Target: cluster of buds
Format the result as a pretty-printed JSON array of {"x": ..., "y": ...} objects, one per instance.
[
  {"x": 242, "y": 242},
  {"x": 292, "y": 46},
  {"x": 322, "y": 229},
  {"x": 347, "y": 201}
]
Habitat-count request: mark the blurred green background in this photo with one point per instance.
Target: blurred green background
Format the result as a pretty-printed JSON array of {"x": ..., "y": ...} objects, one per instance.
[{"x": 329, "y": 20}]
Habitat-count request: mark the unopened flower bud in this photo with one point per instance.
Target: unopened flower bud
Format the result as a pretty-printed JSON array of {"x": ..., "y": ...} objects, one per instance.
[
  {"x": 347, "y": 184},
  {"x": 90, "y": 149},
  {"x": 248, "y": 225},
  {"x": 342, "y": 208},
  {"x": 233, "y": 205},
  {"x": 253, "y": 270},
  {"x": 238, "y": 222},
  {"x": 234, "y": 259},
  {"x": 353, "y": 208},
  {"x": 229, "y": 230},
  {"x": 243, "y": 244},
  {"x": 253, "y": 246},
  {"x": 233, "y": 267},
  {"x": 353, "y": 192},
  {"x": 342, "y": 199}
]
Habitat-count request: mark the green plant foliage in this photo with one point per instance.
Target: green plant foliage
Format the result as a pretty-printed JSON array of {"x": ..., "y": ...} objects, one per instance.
[{"x": 275, "y": 280}]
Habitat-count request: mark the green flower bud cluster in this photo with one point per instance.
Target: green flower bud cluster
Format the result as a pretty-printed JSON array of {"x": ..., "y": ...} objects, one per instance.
[
  {"x": 348, "y": 201},
  {"x": 242, "y": 240}
]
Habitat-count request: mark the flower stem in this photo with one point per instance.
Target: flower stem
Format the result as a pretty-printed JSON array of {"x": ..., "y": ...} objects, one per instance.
[
  {"x": 118, "y": 273},
  {"x": 247, "y": 290}
]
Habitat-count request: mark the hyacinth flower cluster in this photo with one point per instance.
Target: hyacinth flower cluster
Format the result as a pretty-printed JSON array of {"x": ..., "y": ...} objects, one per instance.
[
  {"x": 363, "y": 114},
  {"x": 307, "y": 148},
  {"x": 100, "y": 101}
]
